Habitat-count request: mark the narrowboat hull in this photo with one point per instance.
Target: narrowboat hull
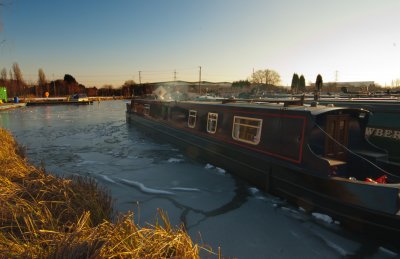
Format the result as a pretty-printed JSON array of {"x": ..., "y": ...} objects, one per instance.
[{"x": 372, "y": 208}]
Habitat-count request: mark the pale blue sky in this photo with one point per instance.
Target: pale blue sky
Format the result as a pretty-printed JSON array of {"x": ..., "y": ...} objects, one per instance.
[{"x": 108, "y": 42}]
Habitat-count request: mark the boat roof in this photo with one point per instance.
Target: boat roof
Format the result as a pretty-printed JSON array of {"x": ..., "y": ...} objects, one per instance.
[
  {"x": 361, "y": 100},
  {"x": 273, "y": 104},
  {"x": 314, "y": 110}
]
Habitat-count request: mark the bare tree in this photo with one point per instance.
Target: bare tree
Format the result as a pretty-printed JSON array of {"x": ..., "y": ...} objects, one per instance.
[
  {"x": 42, "y": 82},
  {"x": 3, "y": 75},
  {"x": 257, "y": 77},
  {"x": 17, "y": 72},
  {"x": 127, "y": 88},
  {"x": 270, "y": 77},
  {"x": 42, "y": 77},
  {"x": 20, "y": 84},
  {"x": 12, "y": 91}
]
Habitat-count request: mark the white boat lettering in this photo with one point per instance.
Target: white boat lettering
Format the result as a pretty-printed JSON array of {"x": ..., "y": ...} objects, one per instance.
[
  {"x": 386, "y": 133},
  {"x": 369, "y": 131},
  {"x": 379, "y": 132}
]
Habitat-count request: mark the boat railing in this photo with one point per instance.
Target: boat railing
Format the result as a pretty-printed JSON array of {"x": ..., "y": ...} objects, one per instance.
[{"x": 286, "y": 102}]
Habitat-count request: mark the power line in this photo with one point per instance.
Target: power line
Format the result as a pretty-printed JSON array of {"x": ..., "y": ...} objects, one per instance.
[{"x": 200, "y": 80}]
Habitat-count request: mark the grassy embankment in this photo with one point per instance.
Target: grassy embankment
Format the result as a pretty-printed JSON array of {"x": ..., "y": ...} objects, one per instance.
[{"x": 44, "y": 216}]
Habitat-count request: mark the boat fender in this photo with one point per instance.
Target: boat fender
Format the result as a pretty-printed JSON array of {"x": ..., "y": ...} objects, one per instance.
[
  {"x": 369, "y": 180},
  {"x": 381, "y": 179}
]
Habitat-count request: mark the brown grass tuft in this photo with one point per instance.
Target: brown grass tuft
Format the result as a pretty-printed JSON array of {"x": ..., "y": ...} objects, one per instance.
[{"x": 44, "y": 216}]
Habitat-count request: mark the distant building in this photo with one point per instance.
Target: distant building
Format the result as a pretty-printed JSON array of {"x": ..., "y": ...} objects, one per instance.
[
  {"x": 354, "y": 84},
  {"x": 348, "y": 84}
]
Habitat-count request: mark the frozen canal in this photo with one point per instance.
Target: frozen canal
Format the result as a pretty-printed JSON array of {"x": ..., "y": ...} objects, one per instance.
[{"x": 144, "y": 175}]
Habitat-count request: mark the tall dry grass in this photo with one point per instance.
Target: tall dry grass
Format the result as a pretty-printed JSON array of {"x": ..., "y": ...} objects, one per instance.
[{"x": 44, "y": 216}]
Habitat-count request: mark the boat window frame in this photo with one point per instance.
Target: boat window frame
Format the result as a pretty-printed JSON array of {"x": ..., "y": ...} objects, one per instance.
[
  {"x": 146, "y": 109},
  {"x": 209, "y": 119},
  {"x": 236, "y": 133},
  {"x": 192, "y": 125}
]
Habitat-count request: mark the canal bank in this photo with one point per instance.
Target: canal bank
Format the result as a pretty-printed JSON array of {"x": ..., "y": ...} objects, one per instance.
[{"x": 7, "y": 106}]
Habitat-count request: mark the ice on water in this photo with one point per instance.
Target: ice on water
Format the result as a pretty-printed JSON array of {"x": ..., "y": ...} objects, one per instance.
[
  {"x": 95, "y": 140},
  {"x": 145, "y": 189},
  {"x": 175, "y": 160},
  {"x": 218, "y": 170},
  {"x": 323, "y": 217}
]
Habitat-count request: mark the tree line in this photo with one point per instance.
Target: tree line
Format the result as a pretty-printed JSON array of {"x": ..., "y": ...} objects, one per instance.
[{"x": 16, "y": 85}]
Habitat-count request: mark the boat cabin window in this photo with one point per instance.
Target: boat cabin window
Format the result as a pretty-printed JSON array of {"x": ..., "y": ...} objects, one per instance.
[
  {"x": 146, "y": 110},
  {"x": 192, "y": 118},
  {"x": 212, "y": 122},
  {"x": 247, "y": 129}
]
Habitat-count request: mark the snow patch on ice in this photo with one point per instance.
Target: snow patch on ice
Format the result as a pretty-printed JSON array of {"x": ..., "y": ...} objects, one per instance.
[
  {"x": 145, "y": 189},
  {"x": 256, "y": 193},
  {"x": 175, "y": 160},
  {"x": 107, "y": 179},
  {"x": 322, "y": 217},
  {"x": 253, "y": 190},
  {"x": 285, "y": 209},
  {"x": 209, "y": 166},
  {"x": 87, "y": 162},
  {"x": 337, "y": 248},
  {"x": 185, "y": 189},
  {"x": 220, "y": 170}
]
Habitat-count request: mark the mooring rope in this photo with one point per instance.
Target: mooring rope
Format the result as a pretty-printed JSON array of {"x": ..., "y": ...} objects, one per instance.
[{"x": 363, "y": 158}]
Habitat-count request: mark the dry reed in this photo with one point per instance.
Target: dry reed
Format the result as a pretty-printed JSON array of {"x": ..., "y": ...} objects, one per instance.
[{"x": 44, "y": 216}]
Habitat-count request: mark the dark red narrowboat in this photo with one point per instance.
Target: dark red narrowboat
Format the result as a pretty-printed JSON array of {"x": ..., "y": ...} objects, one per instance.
[{"x": 315, "y": 156}]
